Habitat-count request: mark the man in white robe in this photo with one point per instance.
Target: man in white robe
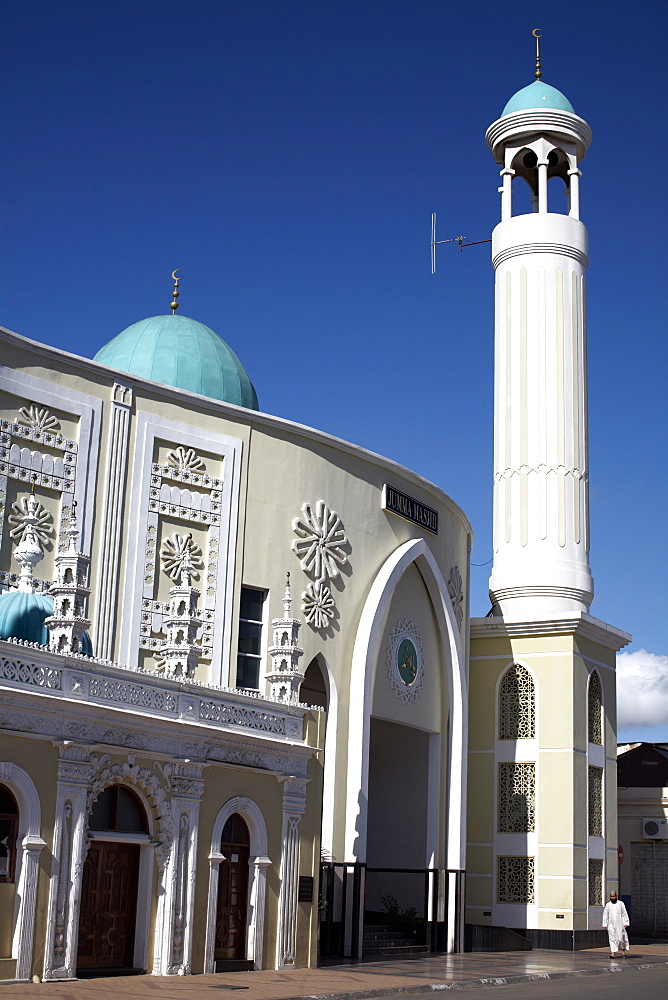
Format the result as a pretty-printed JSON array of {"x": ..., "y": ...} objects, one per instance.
[{"x": 616, "y": 919}]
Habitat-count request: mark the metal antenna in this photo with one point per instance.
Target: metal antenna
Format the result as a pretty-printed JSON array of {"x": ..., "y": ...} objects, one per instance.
[
  {"x": 455, "y": 239},
  {"x": 435, "y": 242}
]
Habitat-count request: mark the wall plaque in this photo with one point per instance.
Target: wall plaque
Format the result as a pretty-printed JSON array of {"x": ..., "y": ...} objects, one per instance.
[
  {"x": 305, "y": 891},
  {"x": 405, "y": 506}
]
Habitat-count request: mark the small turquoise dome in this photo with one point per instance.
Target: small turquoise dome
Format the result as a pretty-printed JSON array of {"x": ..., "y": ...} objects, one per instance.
[
  {"x": 537, "y": 95},
  {"x": 179, "y": 351},
  {"x": 22, "y": 617}
]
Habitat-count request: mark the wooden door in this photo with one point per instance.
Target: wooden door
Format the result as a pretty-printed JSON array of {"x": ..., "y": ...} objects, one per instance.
[
  {"x": 231, "y": 916},
  {"x": 649, "y": 888},
  {"x": 108, "y": 906}
]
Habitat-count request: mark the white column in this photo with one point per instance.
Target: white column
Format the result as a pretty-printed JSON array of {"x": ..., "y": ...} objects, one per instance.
[
  {"x": 75, "y": 770},
  {"x": 574, "y": 191},
  {"x": 542, "y": 186},
  {"x": 506, "y": 190},
  {"x": 257, "y": 903},
  {"x": 294, "y": 806},
  {"x": 32, "y": 848},
  {"x": 104, "y": 619},
  {"x": 215, "y": 861}
]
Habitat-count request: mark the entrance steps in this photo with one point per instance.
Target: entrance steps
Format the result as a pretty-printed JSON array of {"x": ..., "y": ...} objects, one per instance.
[{"x": 385, "y": 941}]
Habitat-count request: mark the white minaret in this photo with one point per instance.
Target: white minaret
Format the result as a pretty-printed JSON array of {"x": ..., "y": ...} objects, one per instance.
[
  {"x": 70, "y": 592},
  {"x": 283, "y": 675},
  {"x": 541, "y": 532}
]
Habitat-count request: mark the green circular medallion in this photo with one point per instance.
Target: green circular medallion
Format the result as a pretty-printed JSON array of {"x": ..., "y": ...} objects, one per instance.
[{"x": 407, "y": 662}]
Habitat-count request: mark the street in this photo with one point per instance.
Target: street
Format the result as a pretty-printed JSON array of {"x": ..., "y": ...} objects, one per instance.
[{"x": 634, "y": 984}]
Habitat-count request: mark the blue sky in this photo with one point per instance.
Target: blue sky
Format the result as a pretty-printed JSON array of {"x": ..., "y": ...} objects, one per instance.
[{"x": 287, "y": 155}]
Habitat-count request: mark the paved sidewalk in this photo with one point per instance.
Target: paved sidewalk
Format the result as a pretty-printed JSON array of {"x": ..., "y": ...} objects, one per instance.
[{"x": 351, "y": 982}]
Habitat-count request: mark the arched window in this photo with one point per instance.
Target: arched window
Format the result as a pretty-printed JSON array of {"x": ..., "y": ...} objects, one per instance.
[
  {"x": 517, "y": 705},
  {"x": 118, "y": 808},
  {"x": 9, "y": 825},
  {"x": 313, "y": 690},
  {"x": 594, "y": 705}
]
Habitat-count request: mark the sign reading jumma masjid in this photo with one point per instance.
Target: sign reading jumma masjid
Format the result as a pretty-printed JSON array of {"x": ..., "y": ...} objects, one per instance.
[{"x": 410, "y": 508}]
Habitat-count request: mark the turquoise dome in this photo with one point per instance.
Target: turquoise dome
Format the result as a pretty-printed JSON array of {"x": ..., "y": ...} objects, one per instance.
[
  {"x": 537, "y": 95},
  {"x": 22, "y": 617},
  {"x": 179, "y": 351}
]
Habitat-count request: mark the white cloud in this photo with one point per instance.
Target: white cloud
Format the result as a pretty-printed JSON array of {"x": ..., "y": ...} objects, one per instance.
[{"x": 642, "y": 690}]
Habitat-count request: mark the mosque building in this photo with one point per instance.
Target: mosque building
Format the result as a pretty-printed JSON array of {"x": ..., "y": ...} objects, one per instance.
[{"x": 247, "y": 720}]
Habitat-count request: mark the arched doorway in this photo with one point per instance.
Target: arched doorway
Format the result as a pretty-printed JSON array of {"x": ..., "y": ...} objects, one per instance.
[
  {"x": 21, "y": 830},
  {"x": 109, "y": 888},
  {"x": 232, "y": 906},
  {"x": 439, "y": 722},
  {"x": 9, "y": 824}
]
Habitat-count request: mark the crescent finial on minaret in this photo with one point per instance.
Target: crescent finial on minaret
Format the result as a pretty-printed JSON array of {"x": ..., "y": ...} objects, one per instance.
[
  {"x": 175, "y": 293},
  {"x": 537, "y": 34}
]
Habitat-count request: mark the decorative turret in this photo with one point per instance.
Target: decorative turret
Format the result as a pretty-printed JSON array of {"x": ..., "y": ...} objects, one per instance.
[
  {"x": 283, "y": 675},
  {"x": 67, "y": 622},
  {"x": 180, "y": 653},
  {"x": 541, "y": 544}
]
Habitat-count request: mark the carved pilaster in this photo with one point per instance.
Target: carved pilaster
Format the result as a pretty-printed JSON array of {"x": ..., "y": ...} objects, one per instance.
[
  {"x": 112, "y": 515},
  {"x": 294, "y": 806},
  {"x": 173, "y": 933},
  {"x": 75, "y": 770}
]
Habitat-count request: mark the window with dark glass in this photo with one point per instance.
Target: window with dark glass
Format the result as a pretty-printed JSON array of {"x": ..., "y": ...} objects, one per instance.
[
  {"x": 249, "y": 654},
  {"x": 235, "y": 833},
  {"x": 9, "y": 828},
  {"x": 117, "y": 808}
]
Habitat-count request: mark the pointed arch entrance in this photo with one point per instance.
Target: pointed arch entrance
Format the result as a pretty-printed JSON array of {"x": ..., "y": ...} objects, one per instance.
[{"x": 441, "y": 748}]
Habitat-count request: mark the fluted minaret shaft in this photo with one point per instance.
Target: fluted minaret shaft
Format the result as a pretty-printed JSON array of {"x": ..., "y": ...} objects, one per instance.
[{"x": 541, "y": 530}]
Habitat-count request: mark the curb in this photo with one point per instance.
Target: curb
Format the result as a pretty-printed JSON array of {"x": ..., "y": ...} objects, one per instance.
[{"x": 471, "y": 984}]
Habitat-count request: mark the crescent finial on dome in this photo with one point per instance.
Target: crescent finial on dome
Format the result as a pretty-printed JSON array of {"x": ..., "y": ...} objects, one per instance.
[
  {"x": 537, "y": 34},
  {"x": 175, "y": 293}
]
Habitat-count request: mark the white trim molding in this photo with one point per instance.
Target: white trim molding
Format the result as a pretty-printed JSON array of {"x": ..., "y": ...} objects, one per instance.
[
  {"x": 221, "y": 530},
  {"x": 104, "y": 619}
]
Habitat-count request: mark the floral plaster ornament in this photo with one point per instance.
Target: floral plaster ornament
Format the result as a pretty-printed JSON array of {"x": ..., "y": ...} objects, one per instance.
[
  {"x": 29, "y": 515},
  {"x": 320, "y": 542},
  {"x": 318, "y": 605},
  {"x": 38, "y": 418},
  {"x": 185, "y": 460},
  {"x": 180, "y": 554}
]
